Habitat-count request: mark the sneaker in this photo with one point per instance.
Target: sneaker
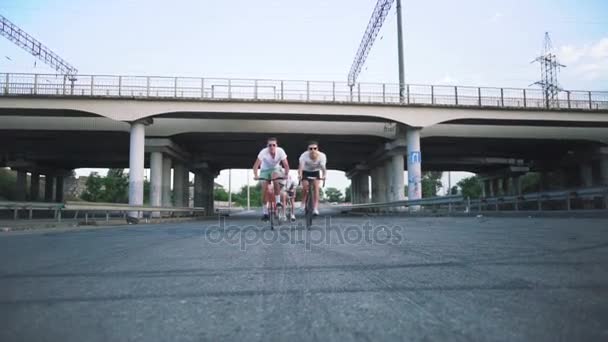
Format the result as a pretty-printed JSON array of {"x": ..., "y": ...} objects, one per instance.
[
  {"x": 293, "y": 218},
  {"x": 265, "y": 217},
  {"x": 282, "y": 218},
  {"x": 316, "y": 212}
]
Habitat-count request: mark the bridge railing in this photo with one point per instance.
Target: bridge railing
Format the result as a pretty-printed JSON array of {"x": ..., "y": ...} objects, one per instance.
[
  {"x": 61, "y": 208},
  {"x": 300, "y": 91},
  {"x": 549, "y": 200}
]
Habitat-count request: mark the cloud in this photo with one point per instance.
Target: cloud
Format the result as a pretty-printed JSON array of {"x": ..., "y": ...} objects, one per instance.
[
  {"x": 447, "y": 79},
  {"x": 496, "y": 17},
  {"x": 588, "y": 61}
]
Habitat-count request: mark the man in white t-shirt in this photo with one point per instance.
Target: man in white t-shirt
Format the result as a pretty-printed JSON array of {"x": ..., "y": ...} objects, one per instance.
[
  {"x": 312, "y": 164},
  {"x": 269, "y": 160}
]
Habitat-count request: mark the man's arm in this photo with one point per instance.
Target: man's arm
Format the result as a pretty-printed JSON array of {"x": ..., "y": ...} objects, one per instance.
[
  {"x": 300, "y": 170},
  {"x": 324, "y": 168},
  {"x": 256, "y": 166},
  {"x": 285, "y": 166}
]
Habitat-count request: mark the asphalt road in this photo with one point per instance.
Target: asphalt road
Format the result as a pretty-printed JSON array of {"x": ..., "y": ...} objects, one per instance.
[{"x": 354, "y": 278}]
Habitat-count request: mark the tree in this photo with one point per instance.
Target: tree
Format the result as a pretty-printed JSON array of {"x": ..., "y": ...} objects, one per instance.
[
  {"x": 333, "y": 195},
  {"x": 220, "y": 194},
  {"x": 347, "y": 193},
  {"x": 431, "y": 182},
  {"x": 113, "y": 188},
  {"x": 470, "y": 187}
]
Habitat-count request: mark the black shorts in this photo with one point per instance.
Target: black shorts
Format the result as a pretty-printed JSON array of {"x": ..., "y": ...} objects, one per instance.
[{"x": 313, "y": 174}]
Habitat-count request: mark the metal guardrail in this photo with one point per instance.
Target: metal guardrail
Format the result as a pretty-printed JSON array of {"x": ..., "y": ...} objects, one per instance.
[
  {"x": 481, "y": 204},
  {"x": 30, "y": 207},
  {"x": 88, "y": 207},
  {"x": 190, "y": 88}
]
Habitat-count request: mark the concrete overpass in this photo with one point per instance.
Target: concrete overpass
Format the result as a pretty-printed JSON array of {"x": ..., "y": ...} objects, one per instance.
[{"x": 49, "y": 124}]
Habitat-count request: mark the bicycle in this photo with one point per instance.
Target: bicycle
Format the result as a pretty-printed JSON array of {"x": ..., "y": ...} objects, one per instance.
[
  {"x": 309, "y": 207},
  {"x": 271, "y": 201}
]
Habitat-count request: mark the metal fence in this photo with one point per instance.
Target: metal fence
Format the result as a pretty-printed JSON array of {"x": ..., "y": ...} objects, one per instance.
[
  {"x": 191, "y": 88},
  {"x": 569, "y": 199}
]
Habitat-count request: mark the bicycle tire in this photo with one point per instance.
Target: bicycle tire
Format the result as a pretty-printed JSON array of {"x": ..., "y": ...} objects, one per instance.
[{"x": 309, "y": 206}]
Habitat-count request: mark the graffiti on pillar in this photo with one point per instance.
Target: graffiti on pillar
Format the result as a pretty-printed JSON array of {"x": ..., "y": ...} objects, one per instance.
[
  {"x": 415, "y": 157},
  {"x": 414, "y": 186}
]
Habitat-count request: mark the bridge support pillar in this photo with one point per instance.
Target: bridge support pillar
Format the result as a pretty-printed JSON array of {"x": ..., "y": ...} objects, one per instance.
[
  {"x": 353, "y": 189},
  {"x": 586, "y": 173},
  {"x": 166, "y": 182},
  {"x": 180, "y": 178},
  {"x": 398, "y": 182},
  {"x": 21, "y": 185},
  {"x": 156, "y": 180},
  {"x": 59, "y": 187},
  {"x": 203, "y": 191},
  {"x": 49, "y": 184},
  {"x": 34, "y": 186},
  {"x": 507, "y": 188},
  {"x": 136, "y": 164},
  {"x": 375, "y": 174},
  {"x": 382, "y": 183},
  {"x": 363, "y": 188},
  {"x": 604, "y": 166},
  {"x": 414, "y": 163},
  {"x": 517, "y": 185}
]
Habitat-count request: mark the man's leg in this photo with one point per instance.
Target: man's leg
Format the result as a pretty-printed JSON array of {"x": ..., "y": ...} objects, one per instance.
[
  {"x": 316, "y": 198},
  {"x": 264, "y": 188},
  {"x": 292, "y": 199},
  {"x": 304, "y": 193},
  {"x": 284, "y": 201}
]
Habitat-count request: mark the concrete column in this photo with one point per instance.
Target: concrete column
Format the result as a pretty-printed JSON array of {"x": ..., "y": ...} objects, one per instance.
[
  {"x": 186, "y": 188},
  {"x": 397, "y": 173},
  {"x": 375, "y": 184},
  {"x": 49, "y": 182},
  {"x": 506, "y": 186},
  {"x": 604, "y": 169},
  {"x": 491, "y": 187},
  {"x": 34, "y": 187},
  {"x": 203, "y": 191},
  {"x": 484, "y": 188},
  {"x": 382, "y": 183},
  {"x": 517, "y": 185},
  {"x": 354, "y": 189},
  {"x": 586, "y": 173},
  {"x": 178, "y": 184},
  {"x": 210, "y": 205},
  {"x": 414, "y": 164},
  {"x": 364, "y": 188},
  {"x": 156, "y": 180},
  {"x": 59, "y": 188},
  {"x": 136, "y": 166},
  {"x": 198, "y": 188},
  {"x": 21, "y": 185},
  {"x": 166, "y": 183}
]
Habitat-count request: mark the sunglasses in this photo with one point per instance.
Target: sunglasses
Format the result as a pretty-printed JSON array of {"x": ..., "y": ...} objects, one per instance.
[
  {"x": 312, "y": 148},
  {"x": 269, "y": 145}
]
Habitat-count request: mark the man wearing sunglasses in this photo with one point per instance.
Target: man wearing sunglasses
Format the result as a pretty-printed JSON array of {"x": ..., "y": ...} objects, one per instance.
[
  {"x": 312, "y": 164},
  {"x": 269, "y": 159}
]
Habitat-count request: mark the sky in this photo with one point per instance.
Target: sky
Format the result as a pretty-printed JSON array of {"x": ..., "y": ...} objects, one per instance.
[{"x": 466, "y": 42}]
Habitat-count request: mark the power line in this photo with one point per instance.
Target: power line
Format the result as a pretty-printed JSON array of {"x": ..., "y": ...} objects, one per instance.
[{"x": 16, "y": 35}]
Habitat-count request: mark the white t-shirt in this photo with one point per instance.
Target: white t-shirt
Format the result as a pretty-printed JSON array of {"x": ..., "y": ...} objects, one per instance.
[
  {"x": 313, "y": 165},
  {"x": 268, "y": 162}
]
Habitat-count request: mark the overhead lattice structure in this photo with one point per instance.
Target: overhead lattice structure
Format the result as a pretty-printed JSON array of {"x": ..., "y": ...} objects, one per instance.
[
  {"x": 34, "y": 47},
  {"x": 549, "y": 68},
  {"x": 373, "y": 27}
]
